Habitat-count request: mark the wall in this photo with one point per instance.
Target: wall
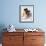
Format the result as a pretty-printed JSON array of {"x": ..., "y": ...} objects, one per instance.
[{"x": 9, "y": 13}]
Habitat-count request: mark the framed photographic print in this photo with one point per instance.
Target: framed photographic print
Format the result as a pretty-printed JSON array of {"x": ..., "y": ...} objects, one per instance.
[{"x": 26, "y": 13}]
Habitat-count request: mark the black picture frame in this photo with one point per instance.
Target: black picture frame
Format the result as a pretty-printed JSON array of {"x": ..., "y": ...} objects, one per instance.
[{"x": 30, "y": 10}]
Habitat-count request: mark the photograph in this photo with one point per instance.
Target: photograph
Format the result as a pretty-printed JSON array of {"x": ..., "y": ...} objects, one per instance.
[{"x": 26, "y": 13}]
